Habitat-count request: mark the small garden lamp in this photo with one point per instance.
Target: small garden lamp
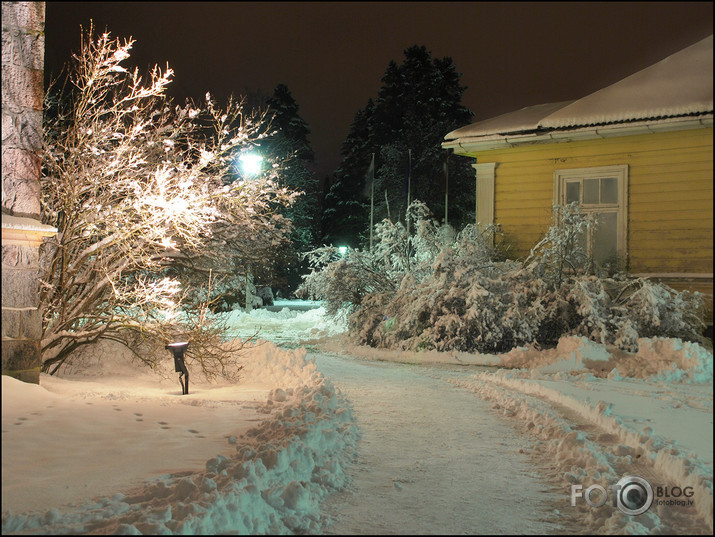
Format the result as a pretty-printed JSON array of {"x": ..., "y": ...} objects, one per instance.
[{"x": 178, "y": 349}]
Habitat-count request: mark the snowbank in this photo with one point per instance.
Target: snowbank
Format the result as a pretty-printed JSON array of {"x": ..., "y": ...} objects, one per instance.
[
  {"x": 269, "y": 478},
  {"x": 659, "y": 359},
  {"x": 287, "y": 326}
]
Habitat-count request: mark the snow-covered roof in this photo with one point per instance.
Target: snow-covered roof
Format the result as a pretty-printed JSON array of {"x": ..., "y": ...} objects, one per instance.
[
  {"x": 524, "y": 120},
  {"x": 679, "y": 85}
]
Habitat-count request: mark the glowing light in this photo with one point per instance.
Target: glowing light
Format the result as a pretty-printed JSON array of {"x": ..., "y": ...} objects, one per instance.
[
  {"x": 250, "y": 164},
  {"x": 342, "y": 250}
]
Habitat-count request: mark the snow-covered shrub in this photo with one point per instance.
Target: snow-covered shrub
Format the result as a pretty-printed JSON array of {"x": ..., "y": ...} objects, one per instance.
[
  {"x": 654, "y": 309},
  {"x": 591, "y": 304},
  {"x": 562, "y": 251},
  {"x": 444, "y": 292},
  {"x": 344, "y": 280},
  {"x": 457, "y": 306}
]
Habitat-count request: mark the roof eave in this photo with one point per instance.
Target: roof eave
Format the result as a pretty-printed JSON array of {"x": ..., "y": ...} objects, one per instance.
[{"x": 471, "y": 144}]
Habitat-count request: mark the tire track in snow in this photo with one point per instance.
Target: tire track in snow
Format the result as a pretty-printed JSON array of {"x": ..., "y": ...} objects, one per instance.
[{"x": 574, "y": 449}]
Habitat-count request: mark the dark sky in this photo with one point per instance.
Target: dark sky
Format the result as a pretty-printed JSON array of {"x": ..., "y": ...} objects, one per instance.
[{"x": 332, "y": 55}]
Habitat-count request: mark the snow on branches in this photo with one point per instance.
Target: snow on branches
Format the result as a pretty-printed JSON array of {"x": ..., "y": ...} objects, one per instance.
[{"x": 145, "y": 196}]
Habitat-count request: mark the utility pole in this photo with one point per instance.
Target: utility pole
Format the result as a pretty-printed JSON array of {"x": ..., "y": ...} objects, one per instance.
[
  {"x": 407, "y": 219},
  {"x": 446, "y": 191},
  {"x": 409, "y": 187},
  {"x": 371, "y": 178}
]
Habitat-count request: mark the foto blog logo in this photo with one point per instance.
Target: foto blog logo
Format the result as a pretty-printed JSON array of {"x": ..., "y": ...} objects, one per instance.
[{"x": 633, "y": 495}]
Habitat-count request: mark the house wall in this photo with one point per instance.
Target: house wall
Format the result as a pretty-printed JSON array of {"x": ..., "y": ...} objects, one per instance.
[{"x": 670, "y": 205}]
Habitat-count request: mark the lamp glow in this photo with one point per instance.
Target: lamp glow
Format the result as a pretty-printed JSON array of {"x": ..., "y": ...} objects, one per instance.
[
  {"x": 342, "y": 250},
  {"x": 250, "y": 164}
]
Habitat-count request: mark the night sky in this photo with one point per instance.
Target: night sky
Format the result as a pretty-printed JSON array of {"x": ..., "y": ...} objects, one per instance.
[{"x": 333, "y": 55}]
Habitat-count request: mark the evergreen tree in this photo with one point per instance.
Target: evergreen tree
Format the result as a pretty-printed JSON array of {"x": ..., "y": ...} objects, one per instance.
[
  {"x": 290, "y": 144},
  {"x": 347, "y": 204},
  {"x": 419, "y": 102}
]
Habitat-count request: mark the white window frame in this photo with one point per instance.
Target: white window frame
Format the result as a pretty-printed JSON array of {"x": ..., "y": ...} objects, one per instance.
[
  {"x": 620, "y": 172},
  {"x": 485, "y": 175}
]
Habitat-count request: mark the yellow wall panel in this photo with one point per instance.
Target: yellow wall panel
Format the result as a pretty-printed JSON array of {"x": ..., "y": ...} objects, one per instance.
[{"x": 670, "y": 194}]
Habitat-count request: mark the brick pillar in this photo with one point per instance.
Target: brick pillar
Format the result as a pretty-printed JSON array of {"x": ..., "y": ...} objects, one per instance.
[{"x": 23, "y": 50}]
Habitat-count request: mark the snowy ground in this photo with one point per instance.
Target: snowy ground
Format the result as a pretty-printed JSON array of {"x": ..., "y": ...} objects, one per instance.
[{"x": 454, "y": 444}]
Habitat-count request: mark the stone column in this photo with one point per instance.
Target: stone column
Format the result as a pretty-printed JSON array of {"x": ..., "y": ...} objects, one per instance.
[{"x": 23, "y": 50}]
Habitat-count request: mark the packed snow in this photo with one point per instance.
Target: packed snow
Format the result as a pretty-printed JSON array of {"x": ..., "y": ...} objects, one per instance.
[{"x": 308, "y": 437}]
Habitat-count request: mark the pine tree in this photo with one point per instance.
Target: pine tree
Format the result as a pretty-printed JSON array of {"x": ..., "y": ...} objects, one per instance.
[
  {"x": 347, "y": 203},
  {"x": 290, "y": 144},
  {"x": 418, "y": 103}
]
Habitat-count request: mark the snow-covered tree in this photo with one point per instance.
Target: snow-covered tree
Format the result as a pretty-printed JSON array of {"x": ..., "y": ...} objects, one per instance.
[
  {"x": 145, "y": 198},
  {"x": 562, "y": 250}
]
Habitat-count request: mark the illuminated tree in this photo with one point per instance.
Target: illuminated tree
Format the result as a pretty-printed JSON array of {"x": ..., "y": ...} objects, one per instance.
[{"x": 146, "y": 199}]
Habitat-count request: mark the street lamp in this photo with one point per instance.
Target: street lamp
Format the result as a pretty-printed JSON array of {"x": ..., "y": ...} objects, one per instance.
[{"x": 250, "y": 163}]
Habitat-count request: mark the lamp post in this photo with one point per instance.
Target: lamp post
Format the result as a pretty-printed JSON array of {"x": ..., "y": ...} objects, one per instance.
[{"x": 250, "y": 165}]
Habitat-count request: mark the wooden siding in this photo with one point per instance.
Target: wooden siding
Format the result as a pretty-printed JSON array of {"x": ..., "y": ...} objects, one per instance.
[{"x": 670, "y": 184}]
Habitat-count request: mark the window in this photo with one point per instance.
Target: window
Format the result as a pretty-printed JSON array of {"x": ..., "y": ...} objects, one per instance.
[{"x": 601, "y": 192}]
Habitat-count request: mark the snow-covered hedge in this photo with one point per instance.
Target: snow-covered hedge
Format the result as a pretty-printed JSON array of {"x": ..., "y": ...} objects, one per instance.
[{"x": 437, "y": 290}]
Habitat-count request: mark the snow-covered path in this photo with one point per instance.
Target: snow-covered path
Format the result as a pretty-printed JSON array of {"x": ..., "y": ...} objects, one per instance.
[{"x": 432, "y": 468}]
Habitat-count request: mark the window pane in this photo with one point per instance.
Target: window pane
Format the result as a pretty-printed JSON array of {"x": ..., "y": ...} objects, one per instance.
[
  {"x": 609, "y": 190},
  {"x": 590, "y": 190},
  {"x": 573, "y": 192},
  {"x": 604, "y": 248}
]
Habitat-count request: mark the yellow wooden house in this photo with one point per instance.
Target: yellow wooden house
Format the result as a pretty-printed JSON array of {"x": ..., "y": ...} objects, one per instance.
[{"x": 637, "y": 154}]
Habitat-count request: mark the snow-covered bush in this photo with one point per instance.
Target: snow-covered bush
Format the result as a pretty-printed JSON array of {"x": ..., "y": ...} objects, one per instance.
[
  {"x": 453, "y": 293},
  {"x": 459, "y": 306},
  {"x": 147, "y": 205},
  {"x": 562, "y": 251},
  {"x": 652, "y": 309},
  {"x": 344, "y": 280}
]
